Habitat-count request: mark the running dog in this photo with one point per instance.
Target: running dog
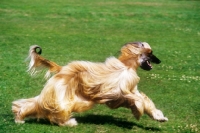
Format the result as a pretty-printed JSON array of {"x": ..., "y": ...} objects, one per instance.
[{"x": 79, "y": 85}]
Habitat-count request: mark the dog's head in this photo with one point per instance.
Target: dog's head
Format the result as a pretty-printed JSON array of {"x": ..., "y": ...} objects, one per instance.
[{"x": 141, "y": 53}]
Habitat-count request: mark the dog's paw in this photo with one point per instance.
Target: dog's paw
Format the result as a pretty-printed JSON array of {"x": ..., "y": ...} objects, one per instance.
[
  {"x": 158, "y": 115},
  {"x": 19, "y": 121},
  {"x": 71, "y": 122}
]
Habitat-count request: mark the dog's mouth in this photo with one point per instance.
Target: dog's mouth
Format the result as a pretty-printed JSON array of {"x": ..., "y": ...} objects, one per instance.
[
  {"x": 149, "y": 64},
  {"x": 146, "y": 65}
]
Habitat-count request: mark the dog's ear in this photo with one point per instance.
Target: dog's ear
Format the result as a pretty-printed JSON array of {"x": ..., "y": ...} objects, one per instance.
[
  {"x": 154, "y": 59},
  {"x": 138, "y": 44}
]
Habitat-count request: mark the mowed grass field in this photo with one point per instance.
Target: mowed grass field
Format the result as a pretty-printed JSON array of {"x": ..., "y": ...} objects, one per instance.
[{"x": 94, "y": 30}]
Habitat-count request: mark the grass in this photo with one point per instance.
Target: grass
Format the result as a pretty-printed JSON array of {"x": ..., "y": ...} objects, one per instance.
[{"x": 94, "y": 30}]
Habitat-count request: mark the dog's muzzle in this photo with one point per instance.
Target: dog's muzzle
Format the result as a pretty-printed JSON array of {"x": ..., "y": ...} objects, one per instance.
[{"x": 146, "y": 64}]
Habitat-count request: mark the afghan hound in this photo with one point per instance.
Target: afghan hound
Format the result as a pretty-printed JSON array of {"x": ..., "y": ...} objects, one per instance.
[{"x": 79, "y": 85}]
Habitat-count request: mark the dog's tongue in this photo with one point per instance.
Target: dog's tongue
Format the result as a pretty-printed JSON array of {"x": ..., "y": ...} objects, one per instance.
[{"x": 149, "y": 64}]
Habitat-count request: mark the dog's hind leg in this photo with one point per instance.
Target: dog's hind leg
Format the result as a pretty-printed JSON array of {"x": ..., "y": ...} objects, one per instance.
[
  {"x": 82, "y": 105},
  {"x": 71, "y": 122},
  {"x": 79, "y": 105},
  {"x": 24, "y": 108},
  {"x": 151, "y": 110},
  {"x": 62, "y": 118}
]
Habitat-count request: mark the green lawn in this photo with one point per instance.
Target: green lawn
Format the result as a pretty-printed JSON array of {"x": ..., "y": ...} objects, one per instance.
[{"x": 94, "y": 30}]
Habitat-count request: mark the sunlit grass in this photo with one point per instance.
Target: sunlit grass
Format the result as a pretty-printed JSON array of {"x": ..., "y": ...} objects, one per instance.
[{"x": 94, "y": 30}]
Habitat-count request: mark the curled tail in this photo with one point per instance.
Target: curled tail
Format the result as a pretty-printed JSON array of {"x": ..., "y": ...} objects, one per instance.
[{"x": 37, "y": 61}]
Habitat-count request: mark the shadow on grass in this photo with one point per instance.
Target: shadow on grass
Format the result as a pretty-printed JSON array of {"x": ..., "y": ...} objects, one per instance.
[
  {"x": 92, "y": 119},
  {"x": 10, "y": 118},
  {"x": 40, "y": 121},
  {"x": 107, "y": 119}
]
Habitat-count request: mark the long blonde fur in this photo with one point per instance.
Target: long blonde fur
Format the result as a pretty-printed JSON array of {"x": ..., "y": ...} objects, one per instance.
[{"x": 79, "y": 85}]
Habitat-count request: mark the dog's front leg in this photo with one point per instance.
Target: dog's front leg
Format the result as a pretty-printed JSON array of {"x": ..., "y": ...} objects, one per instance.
[
  {"x": 135, "y": 103},
  {"x": 151, "y": 110}
]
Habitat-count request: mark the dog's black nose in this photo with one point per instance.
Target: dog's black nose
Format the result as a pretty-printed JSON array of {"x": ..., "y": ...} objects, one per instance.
[{"x": 154, "y": 59}]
